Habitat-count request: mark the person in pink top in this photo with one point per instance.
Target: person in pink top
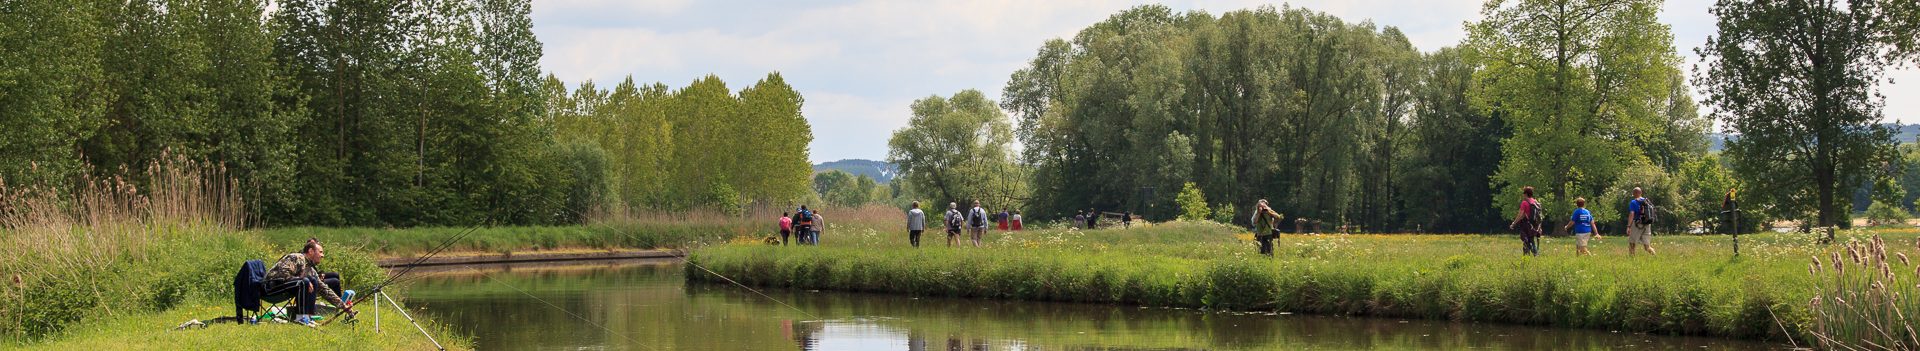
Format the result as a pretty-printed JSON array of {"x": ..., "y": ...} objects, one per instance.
[
  {"x": 786, "y": 227},
  {"x": 1528, "y": 222}
]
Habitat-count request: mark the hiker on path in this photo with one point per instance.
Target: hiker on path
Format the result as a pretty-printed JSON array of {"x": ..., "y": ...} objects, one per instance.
[
  {"x": 977, "y": 222},
  {"x": 1528, "y": 222},
  {"x": 819, "y": 226},
  {"x": 953, "y": 223},
  {"x": 1639, "y": 222},
  {"x": 1126, "y": 219},
  {"x": 1016, "y": 221},
  {"x": 786, "y": 228},
  {"x": 1093, "y": 219},
  {"x": 803, "y": 225},
  {"x": 1080, "y": 219},
  {"x": 916, "y": 224},
  {"x": 1005, "y": 219},
  {"x": 300, "y": 266},
  {"x": 1581, "y": 225},
  {"x": 1265, "y": 226}
]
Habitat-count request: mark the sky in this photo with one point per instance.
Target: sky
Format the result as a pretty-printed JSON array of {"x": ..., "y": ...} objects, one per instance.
[{"x": 860, "y": 63}]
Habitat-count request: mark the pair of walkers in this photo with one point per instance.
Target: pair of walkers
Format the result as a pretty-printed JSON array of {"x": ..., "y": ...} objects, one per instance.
[
  {"x": 1530, "y": 222},
  {"x": 974, "y": 222}
]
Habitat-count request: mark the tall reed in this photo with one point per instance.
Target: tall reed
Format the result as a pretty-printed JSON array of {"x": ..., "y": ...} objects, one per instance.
[
  {"x": 65, "y": 249},
  {"x": 1861, "y": 302}
]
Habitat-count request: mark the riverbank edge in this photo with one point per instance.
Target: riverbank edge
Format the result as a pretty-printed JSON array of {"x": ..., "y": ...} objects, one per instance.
[
  {"x": 469, "y": 258},
  {"x": 1257, "y": 285}
]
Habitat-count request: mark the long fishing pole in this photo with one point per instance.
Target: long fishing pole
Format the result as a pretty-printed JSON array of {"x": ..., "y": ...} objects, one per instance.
[{"x": 404, "y": 272}]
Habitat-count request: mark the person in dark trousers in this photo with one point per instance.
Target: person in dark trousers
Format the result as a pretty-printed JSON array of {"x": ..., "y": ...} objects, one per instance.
[
  {"x": 1126, "y": 219},
  {"x": 916, "y": 224},
  {"x": 1093, "y": 218},
  {"x": 1264, "y": 226},
  {"x": 1528, "y": 223},
  {"x": 786, "y": 228},
  {"x": 803, "y": 225}
]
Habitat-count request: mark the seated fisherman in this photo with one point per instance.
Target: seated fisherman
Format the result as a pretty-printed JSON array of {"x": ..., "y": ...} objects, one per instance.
[
  {"x": 330, "y": 279},
  {"x": 299, "y": 266}
]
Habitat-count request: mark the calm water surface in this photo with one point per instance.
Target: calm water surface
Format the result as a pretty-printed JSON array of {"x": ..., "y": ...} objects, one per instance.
[{"x": 650, "y": 306}]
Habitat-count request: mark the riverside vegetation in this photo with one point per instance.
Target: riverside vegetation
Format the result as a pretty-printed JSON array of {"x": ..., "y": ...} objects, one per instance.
[
  {"x": 1695, "y": 286},
  {"x": 113, "y": 267}
]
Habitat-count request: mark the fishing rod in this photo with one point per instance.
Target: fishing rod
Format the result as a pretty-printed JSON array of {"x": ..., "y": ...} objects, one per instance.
[{"x": 404, "y": 273}]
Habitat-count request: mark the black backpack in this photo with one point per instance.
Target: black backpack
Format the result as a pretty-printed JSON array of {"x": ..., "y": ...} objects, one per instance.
[
  {"x": 1534, "y": 213},
  {"x": 1645, "y": 216},
  {"x": 977, "y": 221}
]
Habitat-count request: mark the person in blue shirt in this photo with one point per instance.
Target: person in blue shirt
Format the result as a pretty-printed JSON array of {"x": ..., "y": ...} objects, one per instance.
[
  {"x": 1581, "y": 225},
  {"x": 1639, "y": 223}
]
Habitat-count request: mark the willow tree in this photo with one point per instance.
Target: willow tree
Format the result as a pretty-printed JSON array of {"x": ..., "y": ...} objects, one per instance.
[
  {"x": 1577, "y": 80},
  {"x": 959, "y": 149},
  {"x": 1797, "y": 81}
]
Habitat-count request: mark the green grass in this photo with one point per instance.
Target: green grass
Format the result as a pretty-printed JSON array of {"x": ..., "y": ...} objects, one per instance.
[
  {"x": 413, "y": 241},
  {"x": 131, "y": 298},
  {"x": 153, "y": 331},
  {"x": 1693, "y": 287}
]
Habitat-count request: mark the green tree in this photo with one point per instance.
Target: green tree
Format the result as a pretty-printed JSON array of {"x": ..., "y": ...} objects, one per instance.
[
  {"x": 1796, "y": 80},
  {"x": 1193, "y": 203},
  {"x": 959, "y": 149},
  {"x": 52, "y": 86},
  {"x": 1577, "y": 80},
  {"x": 1451, "y": 150}
]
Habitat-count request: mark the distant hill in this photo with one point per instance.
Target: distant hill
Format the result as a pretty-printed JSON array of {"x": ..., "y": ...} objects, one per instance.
[
  {"x": 880, "y": 171},
  {"x": 1902, "y": 133}
]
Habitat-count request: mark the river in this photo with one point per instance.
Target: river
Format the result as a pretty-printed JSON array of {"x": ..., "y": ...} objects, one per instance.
[{"x": 651, "y": 306}]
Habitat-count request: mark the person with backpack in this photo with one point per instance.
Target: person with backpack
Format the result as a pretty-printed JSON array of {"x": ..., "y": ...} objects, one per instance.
[
  {"x": 1528, "y": 222},
  {"x": 1265, "y": 227},
  {"x": 916, "y": 223},
  {"x": 786, "y": 227},
  {"x": 1640, "y": 216},
  {"x": 803, "y": 225},
  {"x": 953, "y": 220},
  {"x": 977, "y": 222},
  {"x": 1581, "y": 225}
]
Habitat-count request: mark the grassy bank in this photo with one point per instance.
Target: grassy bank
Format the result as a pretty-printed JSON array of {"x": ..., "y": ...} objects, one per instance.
[
  {"x": 626, "y": 231},
  {"x": 109, "y": 267},
  {"x": 1693, "y": 287}
]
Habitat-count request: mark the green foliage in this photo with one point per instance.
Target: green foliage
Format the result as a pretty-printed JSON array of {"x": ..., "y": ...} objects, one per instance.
[
  {"x": 1587, "y": 87},
  {"x": 1807, "y": 119},
  {"x": 1224, "y": 213},
  {"x": 844, "y": 189},
  {"x": 1881, "y": 213},
  {"x": 1193, "y": 203},
  {"x": 959, "y": 149}
]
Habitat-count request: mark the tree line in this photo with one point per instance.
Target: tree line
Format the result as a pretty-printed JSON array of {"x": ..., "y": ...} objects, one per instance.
[
  {"x": 372, "y": 112},
  {"x": 1350, "y": 124}
]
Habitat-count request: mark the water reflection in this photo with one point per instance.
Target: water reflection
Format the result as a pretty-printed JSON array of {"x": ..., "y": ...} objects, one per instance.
[{"x": 651, "y": 307}]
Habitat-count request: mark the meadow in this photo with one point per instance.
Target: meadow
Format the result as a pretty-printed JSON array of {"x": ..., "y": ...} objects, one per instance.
[
  {"x": 109, "y": 267},
  {"x": 1694, "y": 286}
]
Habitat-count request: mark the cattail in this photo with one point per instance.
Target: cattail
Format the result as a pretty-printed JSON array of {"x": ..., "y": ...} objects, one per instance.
[
  {"x": 1816, "y": 265},
  {"x": 1903, "y": 258},
  {"x": 1839, "y": 267}
]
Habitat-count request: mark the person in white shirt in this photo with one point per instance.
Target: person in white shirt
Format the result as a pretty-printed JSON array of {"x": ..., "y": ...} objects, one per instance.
[{"x": 916, "y": 224}]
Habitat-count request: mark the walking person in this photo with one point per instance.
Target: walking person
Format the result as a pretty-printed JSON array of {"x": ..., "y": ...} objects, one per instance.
[
  {"x": 786, "y": 227},
  {"x": 803, "y": 225},
  {"x": 1126, "y": 219},
  {"x": 1093, "y": 219},
  {"x": 1265, "y": 226},
  {"x": 1528, "y": 222},
  {"x": 1640, "y": 213},
  {"x": 916, "y": 224},
  {"x": 977, "y": 222},
  {"x": 1016, "y": 221},
  {"x": 1005, "y": 219},
  {"x": 819, "y": 227},
  {"x": 1581, "y": 225},
  {"x": 1079, "y": 219},
  {"x": 952, "y": 217}
]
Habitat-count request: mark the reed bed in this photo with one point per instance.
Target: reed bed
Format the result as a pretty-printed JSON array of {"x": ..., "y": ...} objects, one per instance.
[{"x": 1860, "y": 301}]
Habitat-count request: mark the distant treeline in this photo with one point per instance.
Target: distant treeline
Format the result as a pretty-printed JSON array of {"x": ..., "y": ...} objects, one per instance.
[
  {"x": 1349, "y": 123},
  {"x": 372, "y": 113}
]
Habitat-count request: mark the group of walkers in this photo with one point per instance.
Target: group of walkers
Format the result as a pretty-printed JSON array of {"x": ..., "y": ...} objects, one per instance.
[
  {"x": 804, "y": 224},
  {"x": 1530, "y": 222}
]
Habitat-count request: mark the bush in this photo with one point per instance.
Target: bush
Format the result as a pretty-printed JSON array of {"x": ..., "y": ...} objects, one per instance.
[
  {"x": 1880, "y": 213},
  {"x": 1193, "y": 204}
]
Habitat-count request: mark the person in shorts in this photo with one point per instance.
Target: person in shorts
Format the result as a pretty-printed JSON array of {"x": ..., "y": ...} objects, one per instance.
[
  {"x": 953, "y": 223},
  {"x": 1581, "y": 225},
  {"x": 1639, "y": 223}
]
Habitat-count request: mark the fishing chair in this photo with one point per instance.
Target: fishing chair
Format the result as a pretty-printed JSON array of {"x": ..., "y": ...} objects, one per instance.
[{"x": 250, "y": 287}]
